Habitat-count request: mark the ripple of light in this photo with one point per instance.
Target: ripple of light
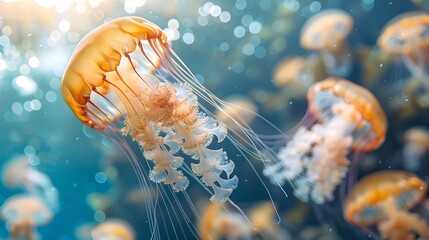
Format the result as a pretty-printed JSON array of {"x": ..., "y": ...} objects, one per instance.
[
  {"x": 188, "y": 38},
  {"x": 24, "y": 85}
]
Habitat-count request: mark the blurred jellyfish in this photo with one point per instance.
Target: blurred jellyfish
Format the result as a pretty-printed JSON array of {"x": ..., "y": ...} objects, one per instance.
[
  {"x": 298, "y": 73},
  {"x": 23, "y": 213},
  {"x": 19, "y": 173},
  {"x": 407, "y": 36},
  {"x": 345, "y": 117},
  {"x": 416, "y": 146},
  {"x": 123, "y": 79},
  {"x": 383, "y": 199},
  {"x": 326, "y": 32},
  {"x": 265, "y": 223},
  {"x": 218, "y": 222},
  {"x": 242, "y": 107},
  {"x": 113, "y": 229}
]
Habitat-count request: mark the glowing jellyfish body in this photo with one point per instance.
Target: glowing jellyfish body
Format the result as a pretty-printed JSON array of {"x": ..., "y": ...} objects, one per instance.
[
  {"x": 407, "y": 36},
  {"x": 347, "y": 117},
  {"x": 23, "y": 213},
  {"x": 383, "y": 199},
  {"x": 326, "y": 32},
  {"x": 18, "y": 173},
  {"x": 113, "y": 229}
]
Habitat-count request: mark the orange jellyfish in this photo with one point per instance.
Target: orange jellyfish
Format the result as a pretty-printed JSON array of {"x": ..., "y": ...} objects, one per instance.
[
  {"x": 326, "y": 32},
  {"x": 345, "y": 117},
  {"x": 113, "y": 229},
  {"x": 123, "y": 79},
  {"x": 218, "y": 222},
  {"x": 23, "y": 213},
  {"x": 383, "y": 199},
  {"x": 19, "y": 173},
  {"x": 406, "y": 36}
]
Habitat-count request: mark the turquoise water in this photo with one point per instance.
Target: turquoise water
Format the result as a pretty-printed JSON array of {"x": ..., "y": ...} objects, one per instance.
[{"x": 232, "y": 55}]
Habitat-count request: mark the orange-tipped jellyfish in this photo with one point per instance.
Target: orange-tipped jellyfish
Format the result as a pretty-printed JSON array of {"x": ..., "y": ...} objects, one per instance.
[
  {"x": 19, "y": 173},
  {"x": 384, "y": 199},
  {"x": 347, "y": 117},
  {"x": 326, "y": 32},
  {"x": 123, "y": 79},
  {"x": 23, "y": 213},
  {"x": 113, "y": 229},
  {"x": 161, "y": 116},
  {"x": 407, "y": 36}
]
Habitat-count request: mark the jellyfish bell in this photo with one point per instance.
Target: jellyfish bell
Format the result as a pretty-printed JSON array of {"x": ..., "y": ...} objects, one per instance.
[
  {"x": 123, "y": 79},
  {"x": 384, "y": 199},
  {"x": 22, "y": 213},
  {"x": 262, "y": 216},
  {"x": 218, "y": 222},
  {"x": 326, "y": 32},
  {"x": 298, "y": 73},
  {"x": 113, "y": 229},
  {"x": 342, "y": 117},
  {"x": 406, "y": 36},
  {"x": 242, "y": 106}
]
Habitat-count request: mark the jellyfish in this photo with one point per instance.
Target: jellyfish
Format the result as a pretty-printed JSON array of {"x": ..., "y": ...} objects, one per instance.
[
  {"x": 326, "y": 32},
  {"x": 243, "y": 107},
  {"x": 263, "y": 219},
  {"x": 293, "y": 76},
  {"x": 406, "y": 36},
  {"x": 112, "y": 229},
  {"x": 218, "y": 222},
  {"x": 22, "y": 213},
  {"x": 416, "y": 145},
  {"x": 384, "y": 199},
  {"x": 19, "y": 173},
  {"x": 123, "y": 79},
  {"x": 345, "y": 117},
  {"x": 298, "y": 73}
]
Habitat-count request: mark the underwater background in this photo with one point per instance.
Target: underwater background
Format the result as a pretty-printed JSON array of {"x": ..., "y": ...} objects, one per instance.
[{"x": 233, "y": 48}]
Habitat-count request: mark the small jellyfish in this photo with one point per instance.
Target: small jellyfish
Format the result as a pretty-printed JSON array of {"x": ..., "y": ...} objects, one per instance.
[
  {"x": 416, "y": 146},
  {"x": 19, "y": 173},
  {"x": 218, "y": 222},
  {"x": 344, "y": 117},
  {"x": 326, "y": 32},
  {"x": 298, "y": 73},
  {"x": 113, "y": 229},
  {"x": 241, "y": 106},
  {"x": 384, "y": 199},
  {"x": 22, "y": 213},
  {"x": 264, "y": 221},
  {"x": 407, "y": 36}
]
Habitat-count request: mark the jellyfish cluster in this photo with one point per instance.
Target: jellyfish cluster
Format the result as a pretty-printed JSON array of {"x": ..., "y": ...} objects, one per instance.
[
  {"x": 35, "y": 206},
  {"x": 158, "y": 142}
]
